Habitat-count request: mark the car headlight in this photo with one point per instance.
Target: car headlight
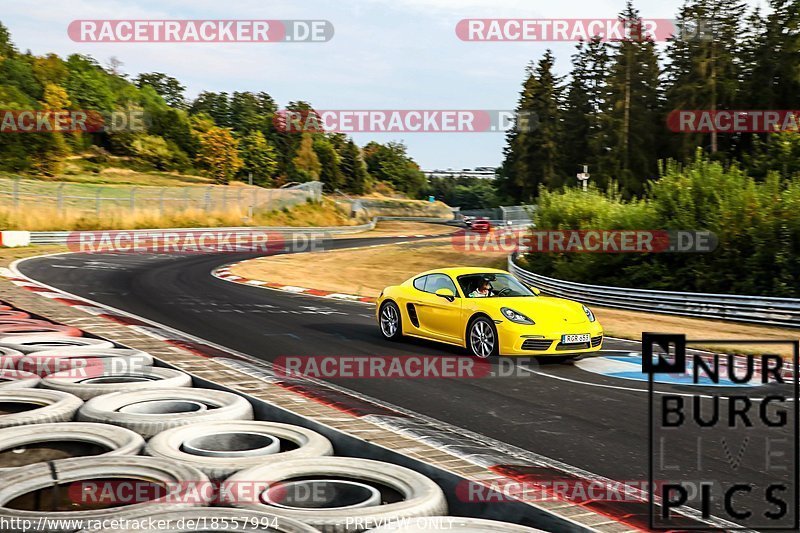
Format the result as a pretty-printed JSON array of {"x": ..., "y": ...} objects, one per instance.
[
  {"x": 514, "y": 316},
  {"x": 589, "y": 313}
]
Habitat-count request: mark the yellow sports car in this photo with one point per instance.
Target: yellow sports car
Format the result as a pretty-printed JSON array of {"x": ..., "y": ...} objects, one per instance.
[{"x": 488, "y": 312}]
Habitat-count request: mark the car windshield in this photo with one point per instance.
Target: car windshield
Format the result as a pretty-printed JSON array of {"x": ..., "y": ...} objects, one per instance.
[{"x": 500, "y": 285}]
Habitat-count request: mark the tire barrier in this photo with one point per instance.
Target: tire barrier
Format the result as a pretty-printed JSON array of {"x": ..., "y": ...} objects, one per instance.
[
  {"x": 17, "y": 379},
  {"x": 56, "y": 343},
  {"x": 148, "y": 412},
  {"x": 24, "y": 322},
  {"x": 335, "y": 494},
  {"x": 241, "y": 520},
  {"x": 105, "y": 381},
  {"x": 222, "y": 448},
  {"x": 115, "y": 360},
  {"x": 30, "y": 493},
  {"x": 36, "y": 406},
  {"x": 8, "y": 313},
  {"x": 274, "y": 477},
  {"x": 9, "y": 358},
  {"x": 49, "y": 442},
  {"x": 11, "y": 333}
]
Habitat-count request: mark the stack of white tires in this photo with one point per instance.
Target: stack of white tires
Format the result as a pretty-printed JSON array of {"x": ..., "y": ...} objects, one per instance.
[{"x": 93, "y": 438}]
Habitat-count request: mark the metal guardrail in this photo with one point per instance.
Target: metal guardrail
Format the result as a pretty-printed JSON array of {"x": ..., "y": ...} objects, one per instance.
[{"x": 752, "y": 309}]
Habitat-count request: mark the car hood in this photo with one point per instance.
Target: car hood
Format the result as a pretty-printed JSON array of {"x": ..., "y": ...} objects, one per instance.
[{"x": 543, "y": 310}]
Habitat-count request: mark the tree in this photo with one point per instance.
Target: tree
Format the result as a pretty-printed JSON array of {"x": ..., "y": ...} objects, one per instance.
[
  {"x": 219, "y": 154},
  {"x": 258, "y": 157},
  {"x": 7, "y": 48},
  {"x": 353, "y": 168},
  {"x": 774, "y": 72},
  {"x": 169, "y": 88},
  {"x": 390, "y": 163},
  {"x": 153, "y": 150},
  {"x": 704, "y": 70},
  {"x": 88, "y": 85},
  {"x": 50, "y": 147},
  {"x": 330, "y": 174},
  {"x": 215, "y": 105},
  {"x": 632, "y": 108},
  {"x": 586, "y": 95},
  {"x": 306, "y": 164},
  {"x": 533, "y": 154}
]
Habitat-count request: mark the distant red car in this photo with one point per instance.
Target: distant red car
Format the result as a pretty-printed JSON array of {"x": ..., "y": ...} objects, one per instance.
[{"x": 481, "y": 226}]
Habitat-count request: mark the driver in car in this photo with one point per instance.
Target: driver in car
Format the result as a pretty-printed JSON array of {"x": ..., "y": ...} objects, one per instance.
[{"x": 483, "y": 290}]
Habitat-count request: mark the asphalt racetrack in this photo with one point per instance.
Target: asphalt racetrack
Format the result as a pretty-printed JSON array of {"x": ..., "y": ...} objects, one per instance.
[{"x": 593, "y": 414}]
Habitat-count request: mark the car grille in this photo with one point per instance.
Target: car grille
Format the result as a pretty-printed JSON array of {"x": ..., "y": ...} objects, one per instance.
[
  {"x": 574, "y": 346},
  {"x": 596, "y": 341},
  {"x": 540, "y": 345}
]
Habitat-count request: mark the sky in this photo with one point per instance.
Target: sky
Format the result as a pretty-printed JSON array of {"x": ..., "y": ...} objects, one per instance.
[{"x": 385, "y": 54}]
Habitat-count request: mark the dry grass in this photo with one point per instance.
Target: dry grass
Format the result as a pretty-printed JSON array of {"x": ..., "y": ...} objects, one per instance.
[
  {"x": 377, "y": 204},
  {"x": 366, "y": 271},
  {"x": 631, "y": 324},
  {"x": 45, "y": 218},
  {"x": 9, "y": 255},
  {"x": 395, "y": 228}
]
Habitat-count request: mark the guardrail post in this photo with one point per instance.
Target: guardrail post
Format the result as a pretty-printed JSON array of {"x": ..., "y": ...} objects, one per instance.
[
  {"x": 207, "y": 199},
  {"x": 15, "y": 192},
  {"x": 60, "y": 197},
  {"x": 97, "y": 200}
]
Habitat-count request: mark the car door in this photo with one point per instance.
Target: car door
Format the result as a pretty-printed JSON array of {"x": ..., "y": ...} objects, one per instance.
[{"x": 438, "y": 317}]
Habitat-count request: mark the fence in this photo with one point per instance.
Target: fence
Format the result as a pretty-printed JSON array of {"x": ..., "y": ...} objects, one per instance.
[
  {"x": 97, "y": 199},
  {"x": 517, "y": 214},
  {"x": 753, "y": 309}
]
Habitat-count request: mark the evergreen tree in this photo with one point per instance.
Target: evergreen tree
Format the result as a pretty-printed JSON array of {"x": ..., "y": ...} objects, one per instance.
[
  {"x": 353, "y": 168},
  {"x": 631, "y": 116},
  {"x": 704, "y": 68},
  {"x": 533, "y": 154},
  {"x": 330, "y": 173},
  {"x": 586, "y": 94}
]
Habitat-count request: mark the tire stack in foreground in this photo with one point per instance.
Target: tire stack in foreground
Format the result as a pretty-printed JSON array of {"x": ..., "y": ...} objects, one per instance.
[{"x": 93, "y": 437}]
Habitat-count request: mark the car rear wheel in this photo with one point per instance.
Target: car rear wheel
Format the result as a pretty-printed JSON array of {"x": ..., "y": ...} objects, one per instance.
[
  {"x": 391, "y": 325},
  {"x": 482, "y": 338}
]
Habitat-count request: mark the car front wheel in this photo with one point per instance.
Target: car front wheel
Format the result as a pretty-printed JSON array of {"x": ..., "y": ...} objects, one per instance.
[
  {"x": 391, "y": 326},
  {"x": 482, "y": 338}
]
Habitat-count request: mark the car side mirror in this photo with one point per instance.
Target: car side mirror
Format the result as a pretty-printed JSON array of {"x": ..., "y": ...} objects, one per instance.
[
  {"x": 447, "y": 294},
  {"x": 535, "y": 290}
]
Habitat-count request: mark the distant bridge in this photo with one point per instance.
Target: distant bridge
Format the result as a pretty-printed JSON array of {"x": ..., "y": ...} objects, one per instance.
[{"x": 479, "y": 172}]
